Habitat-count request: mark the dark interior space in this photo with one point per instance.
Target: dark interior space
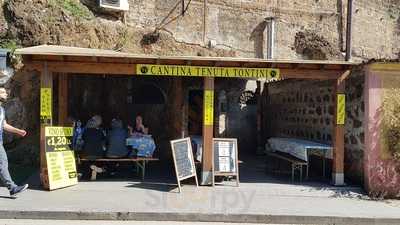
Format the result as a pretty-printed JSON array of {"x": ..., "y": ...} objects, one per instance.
[{"x": 172, "y": 106}]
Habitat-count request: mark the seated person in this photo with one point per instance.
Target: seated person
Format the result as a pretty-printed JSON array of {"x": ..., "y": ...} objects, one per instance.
[
  {"x": 77, "y": 140},
  {"x": 116, "y": 140},
  {"x": 140, "y": 140},
  {"x": 93, "y": 138},
  {"x": 139, "y": 128}
]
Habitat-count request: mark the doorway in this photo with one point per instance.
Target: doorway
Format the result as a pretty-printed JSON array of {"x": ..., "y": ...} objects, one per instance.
[{"x": 195, "y": 113}]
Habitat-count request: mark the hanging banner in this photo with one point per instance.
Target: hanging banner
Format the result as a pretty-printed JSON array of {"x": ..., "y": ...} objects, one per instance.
[
  {"x": 204, "y": 71},
  {"x": 208, "y": 107},
  {"x": 45, "y": 104},
  {"x": 341, "y": 109},
  {"x": 60, "y": 158}
]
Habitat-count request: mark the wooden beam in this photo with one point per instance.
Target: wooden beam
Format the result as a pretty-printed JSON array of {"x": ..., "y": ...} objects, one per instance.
[
  {"x": 344, "y": 76},
  {"x": 260, "y": 148},
  {"x": 385, "y": 66},
  {"x": 48, "y": 58},
  {"x": 62, "y": 99},
  {"x": 46, "y": 81},
  {"x": 130, "y": 69},
  {"x": 91, "y": 68},
  {"x": 338, "y": 136},
  {"x": 298, "y": 73},
  {"x": 208, "y": 129}
]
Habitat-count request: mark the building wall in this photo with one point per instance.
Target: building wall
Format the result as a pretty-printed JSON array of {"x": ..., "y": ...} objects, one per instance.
[
  {"x": 305, "y": 109},
  {"x": 304, "y": 29},
  {"x": 381, "y": 162}
]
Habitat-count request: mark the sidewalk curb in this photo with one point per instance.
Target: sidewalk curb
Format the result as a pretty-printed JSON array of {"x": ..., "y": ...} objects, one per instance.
[{"x": 195, "y": 217}]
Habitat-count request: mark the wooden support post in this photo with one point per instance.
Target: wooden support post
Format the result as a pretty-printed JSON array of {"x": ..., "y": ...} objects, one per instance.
[
  {"x": 208, "y": 129},
  {"x": 62, "y": 99},
  {"x": 260, "y": 148},
  {"x": 46, "y": 81},
  {"x": 338, "y": 134}
]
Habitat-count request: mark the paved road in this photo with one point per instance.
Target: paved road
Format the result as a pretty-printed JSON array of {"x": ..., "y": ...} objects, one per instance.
[{"x": 85, "y": 222}]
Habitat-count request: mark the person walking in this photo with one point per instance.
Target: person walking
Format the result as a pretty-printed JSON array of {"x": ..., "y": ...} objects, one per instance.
[{"x": 4, "y": 173}]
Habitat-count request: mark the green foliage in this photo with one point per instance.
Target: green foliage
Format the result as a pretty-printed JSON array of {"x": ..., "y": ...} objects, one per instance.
[
  {"x": 391, "y": 121},
  {"x": 73, "y": 7},
  {"x": 9, "y": 44}
]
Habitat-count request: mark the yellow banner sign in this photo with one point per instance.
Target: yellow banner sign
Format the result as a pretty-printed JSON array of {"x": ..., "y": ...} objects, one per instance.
[
  {"x": 203, "y": 71},
  {"x": 208, "y": 107},
  {"x": 58, "y": 131},
  {"x": 45, "y": 103},
  {"x": 341, "y": 109},
  {"x": 60, "y": 158}
]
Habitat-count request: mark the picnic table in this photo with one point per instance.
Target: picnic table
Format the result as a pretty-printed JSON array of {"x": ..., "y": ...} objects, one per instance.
[
  {"x": 145, "y": 146},
  {"x": 140, "y": 162},
  {"x": 301, "y": 149}
]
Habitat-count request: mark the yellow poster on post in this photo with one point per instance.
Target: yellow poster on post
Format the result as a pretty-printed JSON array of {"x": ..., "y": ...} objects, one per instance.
[
  {"x": 208, "y": 107},
  {"x": 60, "y": 158},
  {"x": 341, "y": 109},
  {"x": 45, "y": 103}
]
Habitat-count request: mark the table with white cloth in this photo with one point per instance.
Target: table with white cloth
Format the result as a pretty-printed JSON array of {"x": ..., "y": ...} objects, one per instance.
[
  {"x": 144, "y": 144},
  {"x": 301, "y": 149}
]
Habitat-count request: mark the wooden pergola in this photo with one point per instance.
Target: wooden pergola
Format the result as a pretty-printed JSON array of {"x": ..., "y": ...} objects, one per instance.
[{"x": 61, "y": 60}]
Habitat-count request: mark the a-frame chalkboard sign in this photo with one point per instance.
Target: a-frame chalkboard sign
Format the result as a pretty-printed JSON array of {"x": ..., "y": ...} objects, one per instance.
[
  {"x": 183, "y": 160},
  {"x": 225, "y": 158}
]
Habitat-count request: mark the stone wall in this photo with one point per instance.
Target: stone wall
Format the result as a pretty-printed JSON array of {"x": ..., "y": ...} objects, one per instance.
[
  {"x": 301, "y": 109},
  {"x": 382, "y": 165},
  {"x": 305, "y": 109},
  {"x": 354, "y": 135},
  {"x": 304, "y": 28}
]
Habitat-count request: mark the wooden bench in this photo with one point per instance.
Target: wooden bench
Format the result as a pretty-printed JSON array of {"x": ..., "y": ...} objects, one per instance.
[
  {"x": 296, "y": 164},
  {"x": 140, "y": 162}
]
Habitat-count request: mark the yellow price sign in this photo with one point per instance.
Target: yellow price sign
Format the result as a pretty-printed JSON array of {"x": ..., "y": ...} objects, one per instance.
[
  {"x": 341, "y": 109},
  {"x": 60, "y": 158},
  {"x": 45, "y": 103},
  {"x": 61, "y": 169},
  {"x": 208, "y": 107}
]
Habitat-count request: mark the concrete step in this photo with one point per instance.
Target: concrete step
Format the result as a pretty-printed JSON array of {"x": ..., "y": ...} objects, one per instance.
[{"x": 192, "y": 217}]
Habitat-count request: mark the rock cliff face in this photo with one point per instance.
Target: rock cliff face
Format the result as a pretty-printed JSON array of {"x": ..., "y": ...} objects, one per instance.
[{"x": 68, "y": 22}]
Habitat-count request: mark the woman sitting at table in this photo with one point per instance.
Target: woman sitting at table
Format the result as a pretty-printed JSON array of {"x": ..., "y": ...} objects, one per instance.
[
  {"x": 139, "y": 128},
  {"x": 140, "y": 140},
  {"x": 93, "y": 138},
  {"x": 93, "y": 147}
]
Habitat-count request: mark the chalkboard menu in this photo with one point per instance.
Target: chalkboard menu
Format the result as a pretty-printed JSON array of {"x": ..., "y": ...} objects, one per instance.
[
  {"x": 60, "y": 158},
  {"x": 183, "y": 160},
  {"x": 225, "y": 158}
]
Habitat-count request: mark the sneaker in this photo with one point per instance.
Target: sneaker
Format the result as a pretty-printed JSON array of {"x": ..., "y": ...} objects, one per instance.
[{"x": 18, "y": 189}]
